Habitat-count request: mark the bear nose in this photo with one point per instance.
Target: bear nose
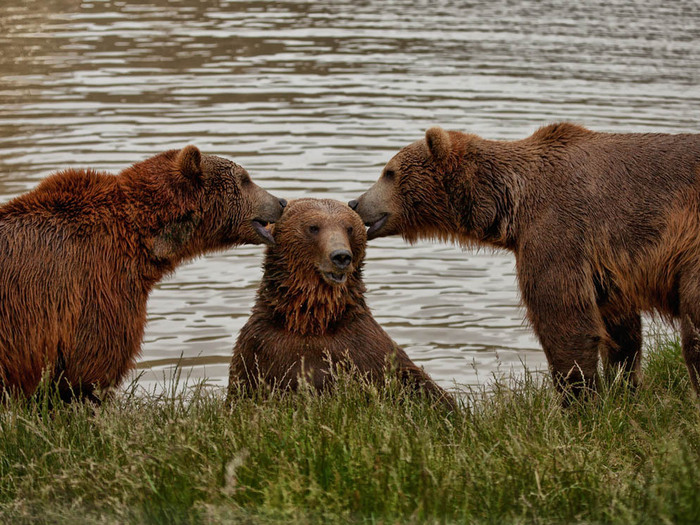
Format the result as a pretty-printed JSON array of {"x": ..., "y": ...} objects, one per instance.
[
  {"x": 283, "y": 202},
  {"x": 341, "y": 258},
  {"x": 353, "y": 204}
]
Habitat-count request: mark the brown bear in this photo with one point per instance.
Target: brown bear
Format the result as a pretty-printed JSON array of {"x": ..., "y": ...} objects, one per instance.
[
  {"x": 310, "y": 313},
  {"x": 603, "y": 226},
  {"x": 82, "y": 251}
]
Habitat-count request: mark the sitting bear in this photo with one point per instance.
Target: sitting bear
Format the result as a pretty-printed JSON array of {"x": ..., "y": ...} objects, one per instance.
[
  {"x": 310, "y": 312},
  {"x": 603, "y": 226},
  {"x": 82, "y": 251}
]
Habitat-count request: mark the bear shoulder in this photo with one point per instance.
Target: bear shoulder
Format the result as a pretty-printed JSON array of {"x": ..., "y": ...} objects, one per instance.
[
  {"x": 561, "y": 132},
  {"x": 75, "y": 180},
  {"x": 69, "y": 191}
]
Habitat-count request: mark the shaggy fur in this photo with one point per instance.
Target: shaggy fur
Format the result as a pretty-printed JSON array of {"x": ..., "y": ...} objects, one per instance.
[
  {"x": 303, "y": 322},
  {"x": 603, "y": 227},
  {"x": 82, "y": 251}
]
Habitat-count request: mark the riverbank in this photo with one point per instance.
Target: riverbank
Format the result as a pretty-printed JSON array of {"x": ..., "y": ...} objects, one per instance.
[{"x": 512, "y": 456}]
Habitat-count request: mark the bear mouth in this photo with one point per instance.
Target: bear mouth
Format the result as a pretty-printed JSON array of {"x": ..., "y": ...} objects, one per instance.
[
  {"x": 375, "y": 226},
  {"x": 334, "y": 278},
  {"x": 262, "y": 228}
]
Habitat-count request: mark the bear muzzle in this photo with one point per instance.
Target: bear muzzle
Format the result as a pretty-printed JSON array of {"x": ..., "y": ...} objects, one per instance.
[
  {"x": 374, "y": 208},
  {"x": 267, "y": 215},
  {"x": 375, "y": 226},
  {"x": 338, "y": 264},
  {"x": 263, "y": 229}
]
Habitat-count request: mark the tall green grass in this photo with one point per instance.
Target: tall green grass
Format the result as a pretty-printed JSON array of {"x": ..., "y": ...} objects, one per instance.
[{"x": 361, "y": 455}]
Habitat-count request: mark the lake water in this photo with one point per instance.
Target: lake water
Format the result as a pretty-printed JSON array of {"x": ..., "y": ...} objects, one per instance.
[{"x": 313, "y": 97}]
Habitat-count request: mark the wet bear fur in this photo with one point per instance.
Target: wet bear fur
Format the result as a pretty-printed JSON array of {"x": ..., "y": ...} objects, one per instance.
[
  {"x": 604, "y": 226},
  {"x": 310, "y": 314},
  {"x": 82, "y": 251}
]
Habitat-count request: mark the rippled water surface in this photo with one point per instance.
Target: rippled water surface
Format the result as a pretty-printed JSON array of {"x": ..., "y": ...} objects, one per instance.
[{"x": 313, "y": 97}]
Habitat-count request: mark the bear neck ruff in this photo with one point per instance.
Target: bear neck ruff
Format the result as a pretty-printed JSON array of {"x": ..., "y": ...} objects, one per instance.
[{"x": 308, "y": 306}]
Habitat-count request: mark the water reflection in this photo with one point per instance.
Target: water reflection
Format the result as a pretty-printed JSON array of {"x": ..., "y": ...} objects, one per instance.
[{"x": 313, "y": 98}]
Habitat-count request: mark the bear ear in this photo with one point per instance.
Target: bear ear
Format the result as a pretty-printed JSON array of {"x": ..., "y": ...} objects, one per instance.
[
  {"x": 189, "y": 162},
  {"x": 438, "y": 142}
]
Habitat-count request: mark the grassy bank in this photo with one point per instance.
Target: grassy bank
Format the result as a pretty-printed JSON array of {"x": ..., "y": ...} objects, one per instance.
[{"x": 513, "y": 456}]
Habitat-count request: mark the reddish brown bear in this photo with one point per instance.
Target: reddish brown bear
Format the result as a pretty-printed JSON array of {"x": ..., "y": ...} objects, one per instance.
[
  {"x": 311, "y": 309},
  {"x": 603, "y": 226},
  {"x": 82, "y": 251}
]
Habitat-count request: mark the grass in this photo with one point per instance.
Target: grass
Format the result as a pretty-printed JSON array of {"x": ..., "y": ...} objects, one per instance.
[{"x": 512, "y": 456}]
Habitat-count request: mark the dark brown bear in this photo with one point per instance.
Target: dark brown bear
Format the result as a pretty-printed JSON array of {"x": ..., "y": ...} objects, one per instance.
[
  {"x": 603, "y": 226},
  {"x": 310, "y": 310},
  {"x": 82, "y": 251}
]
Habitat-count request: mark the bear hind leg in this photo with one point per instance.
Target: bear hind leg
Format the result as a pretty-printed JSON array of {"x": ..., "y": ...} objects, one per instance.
[
  {"x": 690, "y": 339},
  {"x": 622, "y": 352},
  {"x": 689, "y": 296}
]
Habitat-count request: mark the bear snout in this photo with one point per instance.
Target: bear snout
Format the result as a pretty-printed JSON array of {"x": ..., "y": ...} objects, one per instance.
[
  {"x": 341, "y": 259},
  {"x": 267, "y": 212},
  {"x": 270, "y": 208},
  {"x": 375, "y": 207},
  {"x": 336, "y": 258}
]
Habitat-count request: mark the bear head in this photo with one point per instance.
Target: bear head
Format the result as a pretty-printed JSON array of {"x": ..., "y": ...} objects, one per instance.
[
  {"x": 320, "y": 241},
  {"x": 197, "y": 203},
  {"x": 313, "y": 272},
  {"x": 427, "y": 190}
]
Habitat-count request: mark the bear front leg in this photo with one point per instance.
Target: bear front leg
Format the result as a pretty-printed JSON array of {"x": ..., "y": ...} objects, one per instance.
[
  {"x": 623, "y": 350},
  {"x": 243, "y": 376},
  {"x": 561, "y": 306},
  {"x": 416, "y": 377}
]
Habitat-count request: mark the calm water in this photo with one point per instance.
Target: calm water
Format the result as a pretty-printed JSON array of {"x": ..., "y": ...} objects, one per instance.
[{"x": 313, "y": 97}]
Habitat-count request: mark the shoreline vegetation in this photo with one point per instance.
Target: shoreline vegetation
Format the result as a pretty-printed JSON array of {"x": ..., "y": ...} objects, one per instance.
[{"x": 361, "y": 455}]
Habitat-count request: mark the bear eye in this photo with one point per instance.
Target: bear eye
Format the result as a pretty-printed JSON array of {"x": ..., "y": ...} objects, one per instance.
[
  {"x": 313, "y": 230},
  {"x": 245, "y": 179},
  {"x": 350, "y": 230},
  {"x": 389, "y": 174}
]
